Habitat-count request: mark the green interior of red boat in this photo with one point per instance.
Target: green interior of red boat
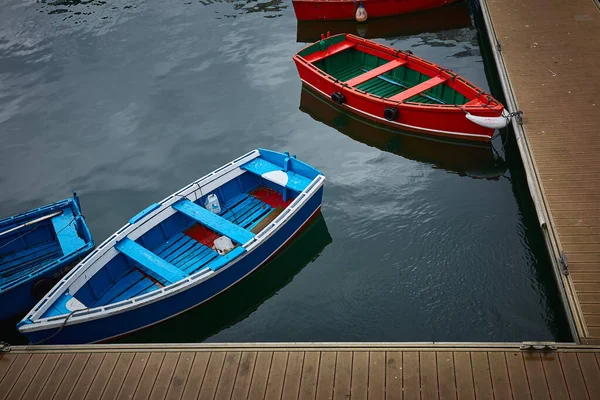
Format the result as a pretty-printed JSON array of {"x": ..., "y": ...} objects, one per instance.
[{"x": 350, "y": 63}]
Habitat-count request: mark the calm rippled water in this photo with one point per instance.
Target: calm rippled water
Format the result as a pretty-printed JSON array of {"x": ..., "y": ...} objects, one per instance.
[{"x": 127, "y": 101}]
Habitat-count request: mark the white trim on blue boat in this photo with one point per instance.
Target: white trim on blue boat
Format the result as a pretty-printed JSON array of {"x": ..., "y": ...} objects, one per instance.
[
  {"x": 149, "y": 220},
  {"x": 419, "y": 128}
]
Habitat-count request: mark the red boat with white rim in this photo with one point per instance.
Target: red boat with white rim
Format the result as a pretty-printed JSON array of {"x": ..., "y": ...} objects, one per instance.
[
  {"x": 399, "y": 89},
  {"x": 310, "y": 10}
]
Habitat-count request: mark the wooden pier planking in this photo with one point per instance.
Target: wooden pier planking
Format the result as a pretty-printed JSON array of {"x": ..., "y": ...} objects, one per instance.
[
  {"x": 301, "y": 371},
  {"x": 551, "y": 52}
]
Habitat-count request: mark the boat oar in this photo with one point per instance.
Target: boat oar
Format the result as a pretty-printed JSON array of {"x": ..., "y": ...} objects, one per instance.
[{"x": 35, "y": 221}]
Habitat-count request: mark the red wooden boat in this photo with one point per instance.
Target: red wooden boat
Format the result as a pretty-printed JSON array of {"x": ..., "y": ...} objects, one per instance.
[
  {"x": 398, "y": 89},
  {"x": 308, "y": 10},
  {"x": 452, "y": 16}
]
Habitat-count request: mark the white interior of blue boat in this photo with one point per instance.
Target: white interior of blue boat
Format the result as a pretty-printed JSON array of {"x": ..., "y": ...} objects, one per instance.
[{"x": 168, "y": 246}]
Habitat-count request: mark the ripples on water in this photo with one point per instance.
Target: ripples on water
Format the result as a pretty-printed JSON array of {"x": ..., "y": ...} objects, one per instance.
[{"x": 127, "y": 101}]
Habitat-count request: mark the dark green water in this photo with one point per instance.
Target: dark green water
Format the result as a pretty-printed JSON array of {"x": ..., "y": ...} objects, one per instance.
[{"x": 127, "y": 101}]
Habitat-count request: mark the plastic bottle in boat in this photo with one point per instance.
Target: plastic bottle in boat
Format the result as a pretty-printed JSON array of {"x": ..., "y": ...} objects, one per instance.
[{"x": 212, "y": 203}]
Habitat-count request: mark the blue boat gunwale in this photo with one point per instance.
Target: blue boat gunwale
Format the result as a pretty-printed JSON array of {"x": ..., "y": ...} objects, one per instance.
[
  {"x": 62, "y": 261},
  {"x": 229, "y": 171}
]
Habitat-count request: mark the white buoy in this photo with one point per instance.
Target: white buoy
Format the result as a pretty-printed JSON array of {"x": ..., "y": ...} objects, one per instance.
[
  {"x": 490, "y": 122},
  {"x": 361, "y": 14}
]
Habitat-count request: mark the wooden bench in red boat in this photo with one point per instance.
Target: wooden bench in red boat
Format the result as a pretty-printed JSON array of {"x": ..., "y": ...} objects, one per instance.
[
  {"x": 418, "y": 89},
  {"x": 328, "y": 52},
  {"x": 382, "y": 69}
]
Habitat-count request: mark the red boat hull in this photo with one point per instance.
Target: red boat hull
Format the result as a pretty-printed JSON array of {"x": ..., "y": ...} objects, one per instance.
[
  {"x": 310, "y": 10},
  {"x": 439, "y": 120}
]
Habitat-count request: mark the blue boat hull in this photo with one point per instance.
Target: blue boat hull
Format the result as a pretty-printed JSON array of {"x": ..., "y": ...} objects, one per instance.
[{"x": 116, "y": 325}]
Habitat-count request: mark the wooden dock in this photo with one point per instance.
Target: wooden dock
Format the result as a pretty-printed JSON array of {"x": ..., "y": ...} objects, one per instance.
[
  {"x": 309, "y": 371},
  {"x": 550, "y": 54}
]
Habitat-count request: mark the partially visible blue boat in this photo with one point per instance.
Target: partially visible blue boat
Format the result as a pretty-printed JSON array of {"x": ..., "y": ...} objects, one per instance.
[
  {"x": 36, "y": 247},
  {"x": 182, "y": 251}
]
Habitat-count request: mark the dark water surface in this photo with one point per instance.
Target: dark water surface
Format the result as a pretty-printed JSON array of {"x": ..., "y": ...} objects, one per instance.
[{"x": 127, "y": 101}]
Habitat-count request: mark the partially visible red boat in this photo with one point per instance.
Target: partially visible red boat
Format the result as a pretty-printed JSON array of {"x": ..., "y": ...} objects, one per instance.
[
  {"x": 310, "y": 10},
  {"x": 398, "y": 89}
]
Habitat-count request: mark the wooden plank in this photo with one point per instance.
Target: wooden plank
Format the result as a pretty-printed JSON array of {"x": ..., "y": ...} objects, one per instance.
[
  {"x": 228, "y": 374},
  {"x": 196, "y": 377},
  {"x": 376, "y": 386},
  {"x": 420, "y": 88},
  {"x": 554, "y": 376},
  {"x": 343, "y": 375},
  {"x": 212, "y": 375},
  {"x": 260, "y": 375},
  {"x": 499, "y": 375},
  {"x": 102, "y": 376},
  {"x": 382, "y": 69},
  {"x": 360, "y": 375},
  {"x": 326, "y": 375},
  {"x": 464, "y": 376},
  {"x": 165, "y": 374},
  {"x": 411, "y": 375},
  {"x": 113, "y": 386},
  {"x": 87, "y": 376},
  {"x": 72, "y": 376},
  {"x": 517, "y": 376},
  {"x": 148, "y": 378},
  {"x": 310, "y": 371},
  {"x": 428, "y": 373},
  {"x": 591, "y": 371},
  {"x": 133, "y": 376},
  {"x": 446, "y": 375},
  {"x": 244, "y": 375},
  {"x": 328, "y": 52},
  {"x": 5, "y": 363},
  {"x": 277, "y": 375},
  {"x": 40, "y": 379},
  {"x": 56, "y": 376},
  {"x": 393, "y": 375},
  {"x": 573, "y": 376},
  {"x": 26, "y": 376},
  {"x": 180, "y": 376},
  {"x": 13, "y": 373},
  {"x": 481, "y": 375}
]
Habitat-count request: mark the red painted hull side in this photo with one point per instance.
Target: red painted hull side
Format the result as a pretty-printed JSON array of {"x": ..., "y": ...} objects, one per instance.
[
  {"x": 310, "y": 10},
  {"x": 438, "y": 120}
]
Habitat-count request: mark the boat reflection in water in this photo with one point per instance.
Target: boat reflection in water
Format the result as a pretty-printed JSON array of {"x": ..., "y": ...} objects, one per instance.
[
  {"x": 451, "y": 16},
  {"x": 238, "y": 302},
  {"x": 477, "y": 160}
]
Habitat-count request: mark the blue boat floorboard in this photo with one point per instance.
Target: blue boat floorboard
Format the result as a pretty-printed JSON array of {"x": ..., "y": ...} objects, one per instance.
[{"x": 187, "y": 254}]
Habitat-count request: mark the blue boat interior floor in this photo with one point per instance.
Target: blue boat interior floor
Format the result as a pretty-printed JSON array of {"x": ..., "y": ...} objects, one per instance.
[
  {"x": 147, "y": 267},
  {"x": 26, "y": 251}
]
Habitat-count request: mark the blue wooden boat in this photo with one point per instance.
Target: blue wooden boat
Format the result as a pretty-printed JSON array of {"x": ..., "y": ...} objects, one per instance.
[
  {"x": 163, "y": 262},
  {"x": 35, "y": 248}
]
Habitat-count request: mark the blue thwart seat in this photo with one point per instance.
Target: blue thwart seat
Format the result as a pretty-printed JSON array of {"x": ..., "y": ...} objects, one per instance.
[
  {"x": 213, "y": 221},
  {"x": 150, "y": 263},
  {"x": 274, "y": 173},
  {"x": 65, "y": 226}
]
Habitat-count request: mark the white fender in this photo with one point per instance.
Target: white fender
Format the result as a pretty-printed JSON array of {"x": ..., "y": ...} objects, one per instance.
[{"x": 490, "y": 122}]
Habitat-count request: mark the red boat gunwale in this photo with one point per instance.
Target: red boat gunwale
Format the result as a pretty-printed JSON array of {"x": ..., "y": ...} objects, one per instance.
[
  {"x": 310, "y": 10},
  {"x": 438, "y": 119}
]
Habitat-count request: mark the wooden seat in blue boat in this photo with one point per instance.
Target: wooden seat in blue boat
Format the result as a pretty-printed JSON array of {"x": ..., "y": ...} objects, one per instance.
[
  {"x": 275, "y": 174},
  {"x": 213, "y": 221},
  {"x": 159, "y": 269},
  {"x": 65, "y": 226}
]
